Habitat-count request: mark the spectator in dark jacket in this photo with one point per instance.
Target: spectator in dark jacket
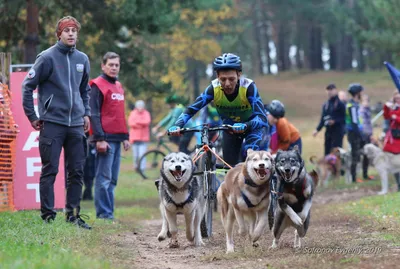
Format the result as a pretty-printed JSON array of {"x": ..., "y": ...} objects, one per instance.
[
  {"x": 61, "y": 75},
  {"x": 332, "y": 117}
]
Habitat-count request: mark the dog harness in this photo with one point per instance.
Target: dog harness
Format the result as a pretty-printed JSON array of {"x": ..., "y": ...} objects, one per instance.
[
  {"x": 251, "y": 183},
  {"x": 331, "y": 159},
  {"x": 192, "y": 189}
]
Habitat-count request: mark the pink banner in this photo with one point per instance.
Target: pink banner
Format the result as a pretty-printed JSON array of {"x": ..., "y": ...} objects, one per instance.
[{"x": 28, "y": 163}]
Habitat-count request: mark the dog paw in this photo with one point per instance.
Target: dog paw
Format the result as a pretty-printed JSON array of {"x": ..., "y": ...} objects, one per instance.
[
  {"x": 198, "y": 243},
  {"x": 173, "y": 244},
  {"x": 229, "y": 249},
  {"x": 274, "y": 246},
  {"x": 161, "y": 237},
  {"x": 256, "y": 244}
]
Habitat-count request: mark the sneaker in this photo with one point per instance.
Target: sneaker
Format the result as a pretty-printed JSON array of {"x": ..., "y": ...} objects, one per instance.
[
  {"x": 369, "y": 178},
  {"x": 359, "y": 180},
  {"x": 49, "y": 219},
  {"x": 79, "y": 221}
]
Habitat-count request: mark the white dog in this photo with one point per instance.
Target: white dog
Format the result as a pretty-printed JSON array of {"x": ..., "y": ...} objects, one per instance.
[
  {"x": 384, "y": 163},
  {"x": 180, "y": 192}
]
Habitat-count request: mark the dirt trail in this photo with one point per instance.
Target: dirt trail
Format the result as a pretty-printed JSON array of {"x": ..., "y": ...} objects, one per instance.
[{"x": 330, "y": 235}]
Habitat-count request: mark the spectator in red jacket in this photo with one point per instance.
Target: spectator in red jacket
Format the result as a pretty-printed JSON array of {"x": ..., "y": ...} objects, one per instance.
[
  {"x": 139, "y": 132},
  {"x": 391, "y": 112}
]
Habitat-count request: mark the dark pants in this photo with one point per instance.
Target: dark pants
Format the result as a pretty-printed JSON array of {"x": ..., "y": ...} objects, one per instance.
[
  {"x": 365, "y": 163},
  {"x": 89, "y": 172},
  {"x": 355, "y": 141},
  {"x": 53, "y": 137},
  {"x": 333, "y": 139},
  {"x": 233, "y": 150}
]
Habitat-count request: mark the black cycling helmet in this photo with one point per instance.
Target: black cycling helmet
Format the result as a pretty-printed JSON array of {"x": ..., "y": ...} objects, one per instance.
[
  {"x": 276, "y": 109},
  {"x": 355, "y": 88},
  {"x": 227, "y": 61}
]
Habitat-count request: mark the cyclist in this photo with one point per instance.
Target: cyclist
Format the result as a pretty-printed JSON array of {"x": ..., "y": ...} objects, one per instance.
[
  {"x": 287, "y": 135},
  {"x": 238, "y": 103},
  {"x": 176, "y": 109}
]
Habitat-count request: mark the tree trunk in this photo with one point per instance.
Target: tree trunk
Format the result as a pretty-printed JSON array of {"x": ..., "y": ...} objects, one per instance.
[
  {"x": 266, "y": 35},
  {"x": 345, "y": 46},
  {"x": 283, "y": 48},
  {"x": 32, "y": 26},
  {"x": 299, "y": 45},
  {"x": 332, "y": 56},
  {"x": 360, "y": 59},
  {"x": 315, "y": 48},
  {"x": 257, "y": 37}
]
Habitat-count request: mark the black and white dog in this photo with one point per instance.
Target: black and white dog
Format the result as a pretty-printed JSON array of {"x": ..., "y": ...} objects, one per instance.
[
  {"x": 294, "y": 189},
  {"x": 180, "y": 192}
]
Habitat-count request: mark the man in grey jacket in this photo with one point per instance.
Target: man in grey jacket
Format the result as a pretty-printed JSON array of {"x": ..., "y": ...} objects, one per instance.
[{"x": 61, "y": 74}]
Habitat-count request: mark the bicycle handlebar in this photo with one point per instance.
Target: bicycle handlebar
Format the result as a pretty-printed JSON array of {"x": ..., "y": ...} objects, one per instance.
[{"x": 199, "y": 130}]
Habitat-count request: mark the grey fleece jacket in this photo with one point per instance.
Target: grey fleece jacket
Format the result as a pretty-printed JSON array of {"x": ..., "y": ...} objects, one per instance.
[{"x": 61, "y": 74}]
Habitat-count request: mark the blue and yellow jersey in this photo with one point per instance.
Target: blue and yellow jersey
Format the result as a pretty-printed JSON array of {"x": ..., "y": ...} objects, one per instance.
[
  {"x": 238, "y": 109},
  {"x": 244, "y": 106},
  {"x": 353, "y": 119}
]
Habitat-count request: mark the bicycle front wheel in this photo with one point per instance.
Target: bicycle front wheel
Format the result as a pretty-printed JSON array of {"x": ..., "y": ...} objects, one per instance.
[
  {"x": 150, "y": 164},
  {"x": 209, "y": 182}
]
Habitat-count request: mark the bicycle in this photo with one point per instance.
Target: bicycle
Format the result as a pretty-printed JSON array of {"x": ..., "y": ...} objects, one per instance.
[
  {"x": 205, "y": 160},
  {"x": 153, "y": 159}
]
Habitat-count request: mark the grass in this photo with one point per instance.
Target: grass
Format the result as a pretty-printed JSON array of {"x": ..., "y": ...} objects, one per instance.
[
  {"x": 380, "y": 207},
  {"x": 380, "y": 211},
  {"x": 27, "y": 242}
]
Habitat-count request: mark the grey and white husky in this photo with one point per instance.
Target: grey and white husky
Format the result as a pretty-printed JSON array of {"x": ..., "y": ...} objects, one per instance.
[
  {"x": 180, "y": 192},
  {"x": 294, "y": 189}
]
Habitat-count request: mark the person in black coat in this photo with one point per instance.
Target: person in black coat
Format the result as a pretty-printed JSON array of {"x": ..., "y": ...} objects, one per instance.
[{"x": 333, "y": 119}]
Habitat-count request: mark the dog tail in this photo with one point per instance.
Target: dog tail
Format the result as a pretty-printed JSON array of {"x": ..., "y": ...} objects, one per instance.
[
  {"x": 313, "y": 159},
  {"x": 314, "y": 177}
]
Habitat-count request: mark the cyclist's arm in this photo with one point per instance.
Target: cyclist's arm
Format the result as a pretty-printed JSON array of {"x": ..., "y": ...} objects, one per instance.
[
  {"x": 259, "y": 118},
  {"x": 175, "y": 113},
  {"x": 40, "y": 71},
  {"x": 96, "y": 102},
  {"x": 203, "y": 100},
  {"x": 163, "y": 123},
  {"x": 85, "y": 88}
]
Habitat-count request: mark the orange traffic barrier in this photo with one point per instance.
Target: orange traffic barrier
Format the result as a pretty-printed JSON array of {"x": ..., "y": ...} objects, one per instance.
[{"x": 8, "y": 134}]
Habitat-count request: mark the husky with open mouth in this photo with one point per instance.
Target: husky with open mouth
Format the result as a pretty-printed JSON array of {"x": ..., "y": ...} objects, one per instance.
[
  {"x": 295, "y": 189},
  {"x": 245, "y": 193},
  {"x": 180, "y": 192}
]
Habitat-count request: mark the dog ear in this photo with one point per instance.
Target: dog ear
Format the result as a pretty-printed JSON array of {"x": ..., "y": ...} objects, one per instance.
[
  {"x": 296, "y": 148},
  {"x": 249, "y": 151}
]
